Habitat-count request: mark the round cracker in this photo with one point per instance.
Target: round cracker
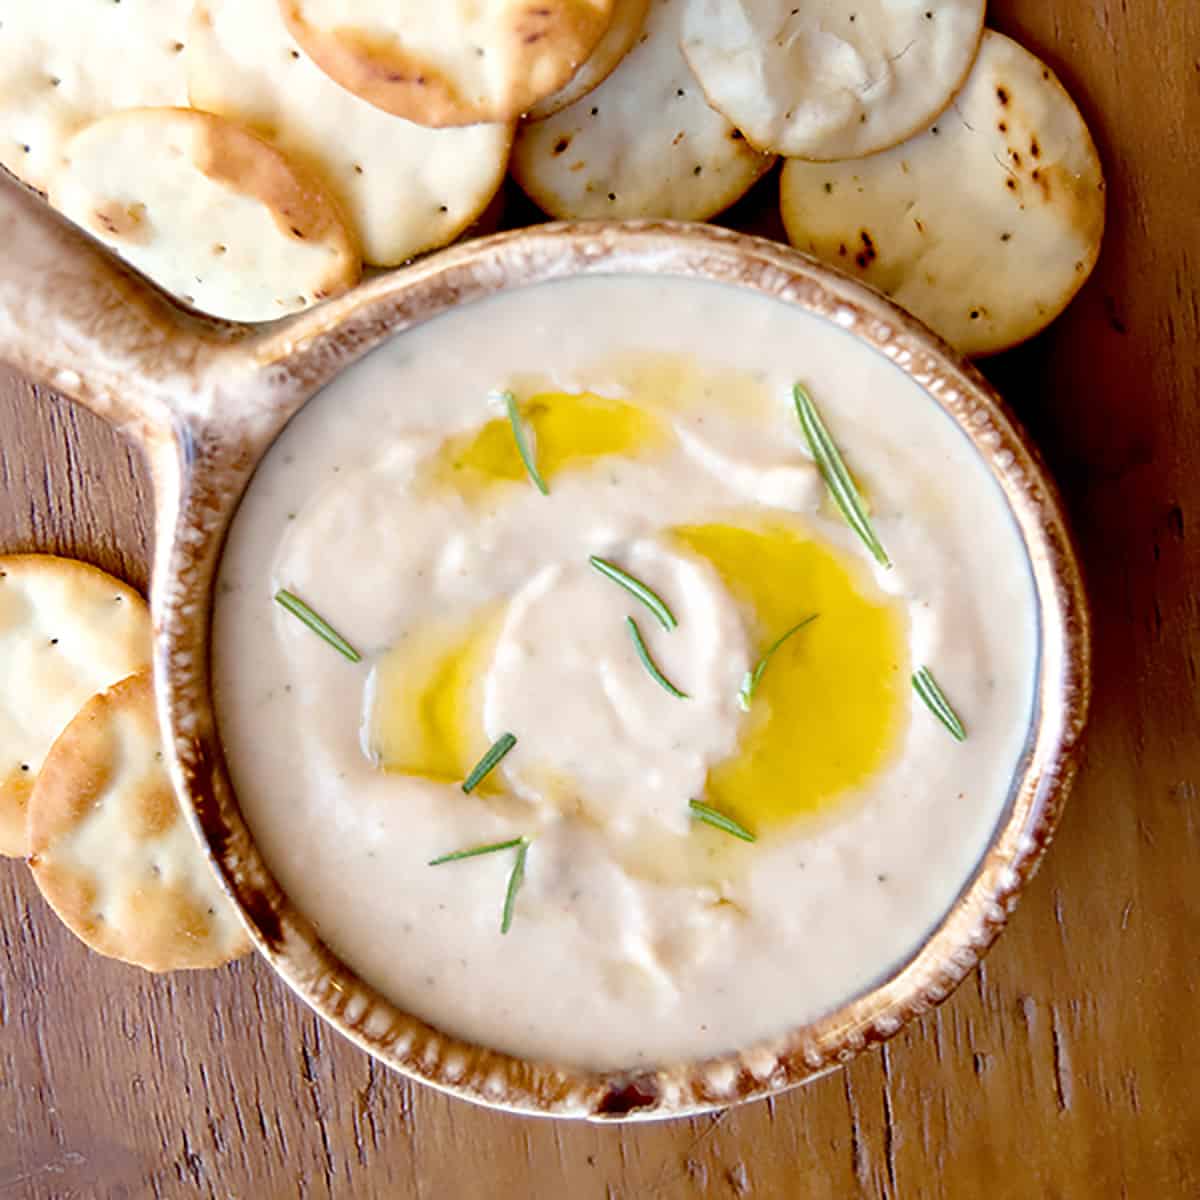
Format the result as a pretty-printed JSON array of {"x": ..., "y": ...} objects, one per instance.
[
  {"x": 207, "y": 210},
  {"x": 405, "y": 188},
  {"x": 984, "y": 226},
  {"x": 629, "y": 16},
  {"x": 110, "y": 850},
  {"x": 65, "y": 64},
  {"x": 67, "y": 630},
  {"x": 452, "y": 62},
  {"x": 643, "y": 144},
  {"x": 823, "y": 79}
]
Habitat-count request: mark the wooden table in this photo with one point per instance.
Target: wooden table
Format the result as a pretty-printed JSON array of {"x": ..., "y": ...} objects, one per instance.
[{"x": 1068, "y": 1065}]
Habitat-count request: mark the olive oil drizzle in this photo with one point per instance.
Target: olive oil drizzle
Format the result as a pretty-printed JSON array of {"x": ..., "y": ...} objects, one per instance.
[{"x": 845, "y": 494}]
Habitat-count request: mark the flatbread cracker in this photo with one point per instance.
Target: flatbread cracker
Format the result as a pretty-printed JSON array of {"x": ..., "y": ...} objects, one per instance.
[
  {"x": 451, "y": 62},
  {"x": 404, "y": 187},
  {"x": 629, "y": 16},
  {"x": 643, "y": 144},
  {"x": 67, "y": 630},
  {"x": 65, "y": 63},
  {"x": 986, "y": 225},
  {"x": 824, "y": 79},
  {"x": 208, "y": 211},
  {"x": 110, "y": 850}
]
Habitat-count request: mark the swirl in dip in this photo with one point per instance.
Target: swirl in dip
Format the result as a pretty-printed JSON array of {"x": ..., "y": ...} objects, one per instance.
[{"x": 660, "y": 413}]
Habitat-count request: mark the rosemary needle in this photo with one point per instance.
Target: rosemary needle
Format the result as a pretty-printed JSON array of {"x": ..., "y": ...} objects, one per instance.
[
  {"x": 476, "y": 851},
  {"x": 837, "y": 477},
  {"x": 719, "y": 820},
  {"x": 649, "y": 663},
  {"x": 515, "y": 879},
  {"x": 935, "y": 700},
  {"x": 750, "y": 682},
  {"x": 523, "y": 449},
  {"x": 650, "y": 598},
  {"x": 488, "y": 763},
  {"x": 320, "y": 627}
]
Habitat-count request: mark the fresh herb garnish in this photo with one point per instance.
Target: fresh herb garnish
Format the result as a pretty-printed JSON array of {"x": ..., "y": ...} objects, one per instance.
[
  {"x": 518, "y": 432},
  {"x": 488, "y": 763},
  {"x": 515, "y": 879},
  {"x": 321, "y": 628},
  {"x": 648, "y": 662},
  {"x": 654, "y": 602},
  {"x": 476, "y": 851},
  {"x": 935, "y": 700},
  {"x": 516, "y": 876},
  {"x": 837, "y": 477},
  {"x": 720, "y": 821},
  {"x": 751, "y": 678}
]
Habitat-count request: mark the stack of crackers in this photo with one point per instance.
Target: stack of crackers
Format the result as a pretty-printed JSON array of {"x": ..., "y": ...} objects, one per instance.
[
  {"x": 251, "y": 155},
  {"x": 84, "y": 794}
]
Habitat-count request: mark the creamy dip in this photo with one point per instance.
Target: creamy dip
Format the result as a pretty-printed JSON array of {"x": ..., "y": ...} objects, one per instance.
[{"x": 660, "y": 413}]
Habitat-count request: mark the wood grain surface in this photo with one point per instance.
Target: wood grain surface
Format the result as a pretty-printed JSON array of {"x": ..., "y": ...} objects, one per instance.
[{"x": 1068, "y": 1065}]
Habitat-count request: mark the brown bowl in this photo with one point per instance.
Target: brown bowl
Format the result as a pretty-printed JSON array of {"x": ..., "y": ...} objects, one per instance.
[{"x": 206, "y": 399}]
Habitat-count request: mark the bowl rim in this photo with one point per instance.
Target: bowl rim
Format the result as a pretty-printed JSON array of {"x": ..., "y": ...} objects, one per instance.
[{"x": 200, "y": 478}]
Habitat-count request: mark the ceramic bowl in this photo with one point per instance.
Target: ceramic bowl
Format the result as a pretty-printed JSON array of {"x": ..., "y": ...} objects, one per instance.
[{"x": 206, "y": 399}]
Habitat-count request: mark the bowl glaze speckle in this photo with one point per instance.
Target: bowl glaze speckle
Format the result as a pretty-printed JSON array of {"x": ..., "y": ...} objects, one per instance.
[{"x": 206, "y": 399}]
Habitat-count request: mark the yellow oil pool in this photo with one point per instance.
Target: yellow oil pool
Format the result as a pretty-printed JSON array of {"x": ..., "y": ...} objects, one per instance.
[
  {"x": 566, "y": 430},
  {"x": 423, "y": 712},
  {"x": 832, "y": 702}
]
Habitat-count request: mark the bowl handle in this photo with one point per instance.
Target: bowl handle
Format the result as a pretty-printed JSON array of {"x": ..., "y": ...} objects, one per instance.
[{"x": 74, "y": 317}]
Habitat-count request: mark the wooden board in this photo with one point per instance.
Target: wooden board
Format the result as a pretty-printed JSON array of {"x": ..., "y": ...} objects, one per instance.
[{"x": 1067, "y": 1066}]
